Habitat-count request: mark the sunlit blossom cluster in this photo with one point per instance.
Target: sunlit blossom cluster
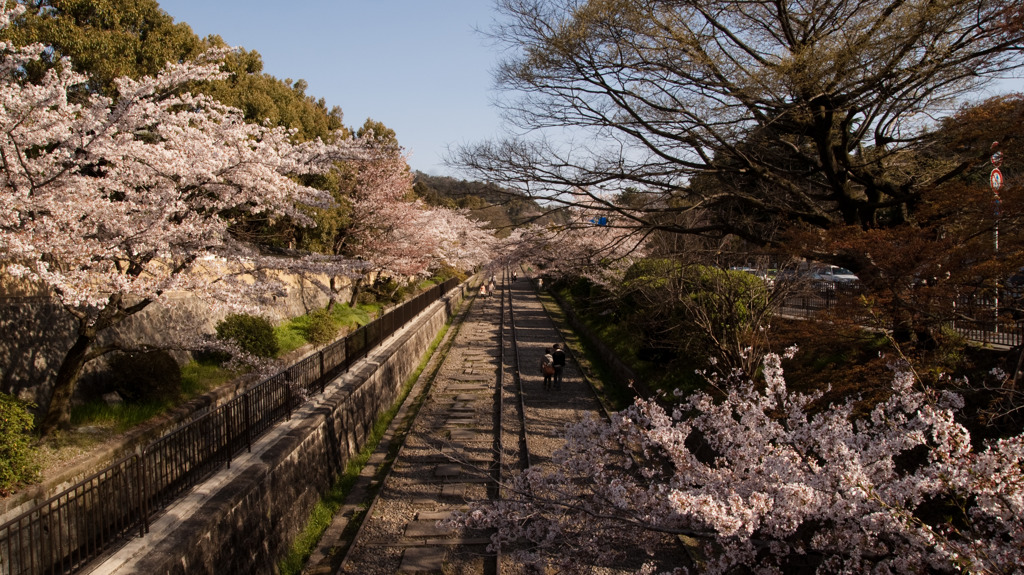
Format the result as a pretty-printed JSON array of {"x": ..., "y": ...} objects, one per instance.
[
  {"x": 124, "y": 196},
  {"x": 404, "y": 238},
  {"x": 758, "y": 478}
]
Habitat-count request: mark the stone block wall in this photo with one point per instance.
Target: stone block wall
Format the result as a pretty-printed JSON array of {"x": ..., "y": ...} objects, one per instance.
[
  {"x": 36, "y": 332},
  {"x": 244, "y": 519}
]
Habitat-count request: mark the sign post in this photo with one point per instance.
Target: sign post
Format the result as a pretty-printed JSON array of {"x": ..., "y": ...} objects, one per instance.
[{"x": 995, "y": 180}]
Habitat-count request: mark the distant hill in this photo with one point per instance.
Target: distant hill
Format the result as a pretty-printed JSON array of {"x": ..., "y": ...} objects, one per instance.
[{"x": 502, "y": 208}]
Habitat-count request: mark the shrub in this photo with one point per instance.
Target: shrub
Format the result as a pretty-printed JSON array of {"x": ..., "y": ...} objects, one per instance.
[
  {"x": 366, "y": 297},
  {"x": 321, "y": 329},
  {"x": 142, "y": 377},
  {"x": 17, "y": 454},
  {"x": 386, "y": 290},
  {"x": 253, "y": 334},
  {"x": 697, "y": 311},
  {"x": 446, "y": 272}
]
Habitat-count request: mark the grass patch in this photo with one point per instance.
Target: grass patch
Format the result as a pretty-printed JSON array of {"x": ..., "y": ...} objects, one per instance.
[
  {"x": 613, "y": 396},
  {"x": 293, "y": 334},
  {"x": 357, "y": 316},
  {"x": 197, "y": 378},
  {"x": 290, "y": 336},
  {"x": 323, "y": 512},
  {"x": 119, "y": 417}
]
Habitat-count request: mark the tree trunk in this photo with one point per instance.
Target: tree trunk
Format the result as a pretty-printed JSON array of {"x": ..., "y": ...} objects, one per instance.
[
  {"x": 355, "y": 293},
  {"x": 58, "y": 412},
  {"x": 333, "y": 297}
]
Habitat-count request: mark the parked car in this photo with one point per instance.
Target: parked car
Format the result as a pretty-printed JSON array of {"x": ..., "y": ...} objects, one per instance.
[{"x": 834, "y": 274}]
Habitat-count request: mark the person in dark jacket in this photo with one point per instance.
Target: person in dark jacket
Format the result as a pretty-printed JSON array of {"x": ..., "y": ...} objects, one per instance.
[{"x": 558, "y": 360}]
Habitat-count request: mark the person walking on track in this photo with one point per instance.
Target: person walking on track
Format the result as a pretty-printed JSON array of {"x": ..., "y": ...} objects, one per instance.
[
  {"x": 558, "y": 361},
  {"x": 547, "y": 368}
]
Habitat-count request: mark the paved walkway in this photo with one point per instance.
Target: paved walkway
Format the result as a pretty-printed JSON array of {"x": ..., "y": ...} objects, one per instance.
[
  {"x": 446, "y": 458},
  {"x": 451, "y": 453}
]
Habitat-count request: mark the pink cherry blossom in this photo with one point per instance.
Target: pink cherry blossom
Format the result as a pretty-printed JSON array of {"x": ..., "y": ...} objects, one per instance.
[
  {"x": 759, "y": 479},
  {"x": 400, "y": 237},
  {"x": 111, "y": 204}
]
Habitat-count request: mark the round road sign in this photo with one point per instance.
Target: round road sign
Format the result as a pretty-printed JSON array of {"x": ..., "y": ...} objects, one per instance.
[{"x": 996, "y": 179}]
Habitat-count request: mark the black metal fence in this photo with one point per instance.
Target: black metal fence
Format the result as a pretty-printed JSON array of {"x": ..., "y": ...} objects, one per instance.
[
  {"x": 979, "y": 320},
  {"x": 994, "y": 324},
  {"x": 64, "y": 533}
]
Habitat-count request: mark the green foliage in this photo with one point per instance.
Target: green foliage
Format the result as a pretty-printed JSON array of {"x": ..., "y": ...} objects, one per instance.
[
  {"x": 472, "y": 203},
  {"x": 729, "y": 298},
  {"x": 253, "y": 334},
  {"x": 262, "y": 97},
  {"x": 447, "y": 272},
  {"x": 381, "y": 133},
  {"x": 668, "y": 317},
  {"x": 950, "y": 354},
  {"x": 651, "y": 272},
  {"x": 433, "y": 197},
  {"x": 17, "y": 451},
  {"x": 321, "y": 329},
  {"x": 502, "y": 208},
  {"x": 332, "y": 223},
  {"x": 106, "y": 39},
  {"x": 384, "y": 291},
  {"x": 615, "y": 328}
]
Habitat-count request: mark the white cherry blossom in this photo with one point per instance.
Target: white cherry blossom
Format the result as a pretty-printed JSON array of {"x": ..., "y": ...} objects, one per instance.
[
  {"x": 759, "y": 478},
  {"x": 109, "y": 204}
]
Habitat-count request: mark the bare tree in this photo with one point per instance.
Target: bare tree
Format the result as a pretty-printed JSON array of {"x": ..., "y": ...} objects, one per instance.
[{"x": 759, "y": 114}]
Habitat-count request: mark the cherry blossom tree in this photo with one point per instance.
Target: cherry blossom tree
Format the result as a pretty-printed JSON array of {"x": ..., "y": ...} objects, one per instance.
[
  {"x": 402, "y": 238},
  {"x": 387, "y": 231},
  {"x": 112, "y": 203},
  {"x": 458, "y": 241},
  {"x": 760, "y": 479},
  {"x": 587, "y": 245}
]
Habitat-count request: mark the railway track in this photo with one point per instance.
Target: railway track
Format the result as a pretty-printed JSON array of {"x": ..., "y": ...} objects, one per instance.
[{"x": 484, "y": 416}]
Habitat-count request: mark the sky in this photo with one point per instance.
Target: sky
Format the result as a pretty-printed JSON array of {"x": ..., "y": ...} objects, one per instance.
[{"x": 421, "y": 67}]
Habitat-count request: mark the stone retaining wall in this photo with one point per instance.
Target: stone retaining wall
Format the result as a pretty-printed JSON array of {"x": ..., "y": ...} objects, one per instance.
[
  {"x": 244, "y": 519},
  {"x": 36, "y": 332}
]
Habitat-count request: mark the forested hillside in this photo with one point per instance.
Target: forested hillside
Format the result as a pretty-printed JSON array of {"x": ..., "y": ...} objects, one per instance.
[{"x": 501, "y": 208}]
